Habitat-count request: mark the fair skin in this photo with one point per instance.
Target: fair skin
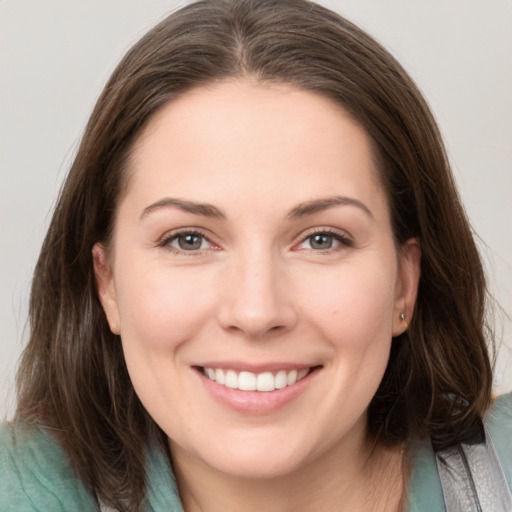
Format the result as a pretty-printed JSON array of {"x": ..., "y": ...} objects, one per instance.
[{"x": 254, "y": 236}]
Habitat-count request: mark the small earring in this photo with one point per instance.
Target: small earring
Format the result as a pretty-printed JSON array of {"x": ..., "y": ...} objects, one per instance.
[{"x": 402, "y": 317}]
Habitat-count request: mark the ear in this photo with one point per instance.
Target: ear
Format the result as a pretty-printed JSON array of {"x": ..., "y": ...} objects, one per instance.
[
  {"x": 105, "y": 286},
  {"x": 407, "y": 285}
]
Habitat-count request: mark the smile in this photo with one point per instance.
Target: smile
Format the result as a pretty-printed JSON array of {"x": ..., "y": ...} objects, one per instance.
[{"x": 249, "y": 381}]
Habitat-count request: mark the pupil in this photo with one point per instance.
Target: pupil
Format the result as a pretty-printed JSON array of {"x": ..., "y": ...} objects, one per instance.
[
  {"x": 189, "y": 242},
  {"x": 321, "y": 242}
]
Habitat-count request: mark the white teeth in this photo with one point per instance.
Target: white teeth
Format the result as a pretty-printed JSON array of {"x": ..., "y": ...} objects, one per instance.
[
  {"x": 265, "y": 382},
  {"x": 302, "y": 373},
  {"x": 281, "y": 380},
  {"x": 248, "y": 381},
  {"x": 219, "y": 376},
  {"x": 291, "y": 378},
  {"x": 231, "y": 380}
]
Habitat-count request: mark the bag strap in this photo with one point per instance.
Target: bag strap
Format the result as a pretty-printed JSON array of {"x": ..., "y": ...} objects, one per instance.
[{"x": 472, "y": 478}]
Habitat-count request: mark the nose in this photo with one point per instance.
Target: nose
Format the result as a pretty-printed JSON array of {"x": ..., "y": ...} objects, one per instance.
[{"x": 256, "y": 297}]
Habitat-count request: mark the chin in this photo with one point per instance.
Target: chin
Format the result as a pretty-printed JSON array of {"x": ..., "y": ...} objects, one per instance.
[
  {"x": 249, "y": 457},
  {"x": 260, "y": 466}
]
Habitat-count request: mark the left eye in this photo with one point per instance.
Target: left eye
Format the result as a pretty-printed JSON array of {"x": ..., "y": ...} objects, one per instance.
[
  {"x": 188, "y": 242},
  {"x": 322, "y": 241}
]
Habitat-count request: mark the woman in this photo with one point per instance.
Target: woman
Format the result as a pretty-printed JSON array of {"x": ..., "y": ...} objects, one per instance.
[{"x": 259, "y": 288}]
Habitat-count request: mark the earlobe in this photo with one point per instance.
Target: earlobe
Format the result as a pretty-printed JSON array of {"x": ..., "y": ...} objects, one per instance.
[
  {"x": 105, "y": 286},
  {"x": 407, "y": 285}
]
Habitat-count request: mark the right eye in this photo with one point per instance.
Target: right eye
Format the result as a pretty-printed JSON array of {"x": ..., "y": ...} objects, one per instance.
[{"x": 187, "y": 241}]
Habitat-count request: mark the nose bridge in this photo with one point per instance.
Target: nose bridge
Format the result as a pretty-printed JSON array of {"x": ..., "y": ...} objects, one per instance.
[{"x": 257, "y": 300}]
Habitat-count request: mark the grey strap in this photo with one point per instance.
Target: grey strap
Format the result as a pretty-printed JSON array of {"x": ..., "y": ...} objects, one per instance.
[{"x": 472, "y": 478}]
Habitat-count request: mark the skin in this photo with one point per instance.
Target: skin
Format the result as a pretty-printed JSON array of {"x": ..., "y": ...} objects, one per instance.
[{"x": 259, "y": 291}]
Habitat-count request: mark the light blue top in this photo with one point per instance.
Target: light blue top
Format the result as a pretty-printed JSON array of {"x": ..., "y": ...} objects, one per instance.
[{"x": 35, "y": 474}]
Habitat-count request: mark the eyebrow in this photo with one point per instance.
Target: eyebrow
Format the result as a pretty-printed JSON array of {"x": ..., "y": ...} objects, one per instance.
[
  {"x": 203, "y": 209},
  {"x": 319, "y": 205},
  {"x": 301, "y": 210}
]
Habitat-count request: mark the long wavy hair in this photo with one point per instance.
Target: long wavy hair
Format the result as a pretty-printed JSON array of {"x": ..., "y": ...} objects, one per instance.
[{"x": 72, "y": 376}]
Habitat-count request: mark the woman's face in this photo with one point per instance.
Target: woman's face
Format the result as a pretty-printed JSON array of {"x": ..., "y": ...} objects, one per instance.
[{"x": 253, "y": 249}]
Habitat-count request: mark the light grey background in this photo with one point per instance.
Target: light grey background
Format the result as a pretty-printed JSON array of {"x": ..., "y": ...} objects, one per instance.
[{"x": 55, "y": 55}]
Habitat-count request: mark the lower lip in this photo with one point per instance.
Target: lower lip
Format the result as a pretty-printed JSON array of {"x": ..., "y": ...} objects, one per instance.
[{"x": 256, "y": 402}]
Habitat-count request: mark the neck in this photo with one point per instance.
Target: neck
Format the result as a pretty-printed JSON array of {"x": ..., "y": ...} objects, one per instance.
[{"x": 367, "y": 478}]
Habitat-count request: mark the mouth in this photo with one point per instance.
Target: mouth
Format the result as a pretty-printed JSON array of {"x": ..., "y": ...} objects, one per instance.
[
  {"x": 262, "y": 391},
  {"x": 249, "y": 381}
]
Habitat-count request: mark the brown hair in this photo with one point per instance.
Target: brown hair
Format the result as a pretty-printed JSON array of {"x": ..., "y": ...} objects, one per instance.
[{"x": 73, "y": 377}]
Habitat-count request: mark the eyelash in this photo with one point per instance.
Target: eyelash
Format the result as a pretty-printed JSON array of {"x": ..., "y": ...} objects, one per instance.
[
  {"x": 343, "y": 240},
  {"x": 166, "y": 241}
]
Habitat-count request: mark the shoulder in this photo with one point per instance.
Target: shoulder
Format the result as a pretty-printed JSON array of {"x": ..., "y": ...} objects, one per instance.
[
  {"x": 499, "y": 423},
  {"x": 425, "y": 491},
  {"x": 500, "y": 415},
  {"x": 35, "y": 474}
]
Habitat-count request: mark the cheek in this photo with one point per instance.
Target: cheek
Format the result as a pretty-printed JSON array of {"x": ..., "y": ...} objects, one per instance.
[
  {"x": 353, "y": 307},
  {"x": 160, "y": 307}
]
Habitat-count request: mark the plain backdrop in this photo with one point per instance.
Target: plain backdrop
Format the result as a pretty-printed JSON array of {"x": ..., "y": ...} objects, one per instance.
[{"x": 55, "y": 56}]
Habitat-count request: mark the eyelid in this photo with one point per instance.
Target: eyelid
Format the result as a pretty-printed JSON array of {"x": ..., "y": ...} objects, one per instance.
[
  {"x": 341, "y": 236},
  {"x": 169, "y": 236}
]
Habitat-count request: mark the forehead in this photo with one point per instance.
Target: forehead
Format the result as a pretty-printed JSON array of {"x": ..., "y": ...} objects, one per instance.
[{"x": 255, "y": 139}]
